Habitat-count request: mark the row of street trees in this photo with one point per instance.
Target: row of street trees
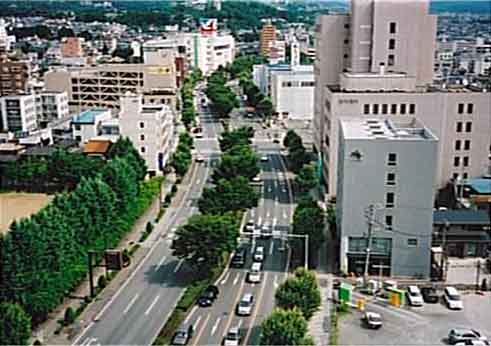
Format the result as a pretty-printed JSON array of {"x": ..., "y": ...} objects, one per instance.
[
  {"x": 188, "y": 111},
  {"x": 182, "y": 157},
  {"x": 297, "y": 154},
  {"x": 222, "y": 97},
  {"x": 92, "y": 217},
  {"x": 297, "y": 299},
  {"x": 206, "y": 238}
]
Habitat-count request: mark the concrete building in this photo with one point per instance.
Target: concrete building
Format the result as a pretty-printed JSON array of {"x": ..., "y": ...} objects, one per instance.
[
  {"x": 18, "y": 113},
  {"x": 388, "y": 70},
  {"x": 13, "y": 76},
  {"x": 103, "y": 85},
  {"x": 87, "y": 124},
  {"x": 71, "y": 47},
  {"x": 388, "y": 165},
  {"x": 268, "y": 35},
  {"x": 50, "y": 106},
  {"x": 6, "y": 41},
  {"x": 277, "y": 52},
  {"x": 150, "y": 128}
]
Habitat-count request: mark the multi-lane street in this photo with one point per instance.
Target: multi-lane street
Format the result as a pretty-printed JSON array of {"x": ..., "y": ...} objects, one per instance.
[{"x": 140, "y": 307}]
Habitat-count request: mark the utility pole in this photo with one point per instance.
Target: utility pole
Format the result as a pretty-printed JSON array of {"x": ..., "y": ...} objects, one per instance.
[
  {"x": 370, "y": 217},
  {"x": 444, "y": 250},
  {"x": 478, "y": 274},
  {"x": 91, "y": 274}
]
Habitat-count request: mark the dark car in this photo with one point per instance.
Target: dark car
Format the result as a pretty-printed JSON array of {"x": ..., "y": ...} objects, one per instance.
[
  {"x": 429, "y": 295},
  {"x": 239, "y": 258},
  {"x": 208, "y": 296},
  {"x": 183, "y": 335}
]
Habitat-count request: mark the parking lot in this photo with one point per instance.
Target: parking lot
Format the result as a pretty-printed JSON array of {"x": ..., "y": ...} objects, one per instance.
[{"x": 427, "y": 325}]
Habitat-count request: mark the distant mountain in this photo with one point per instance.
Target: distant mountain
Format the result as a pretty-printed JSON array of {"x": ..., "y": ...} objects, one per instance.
[{"x": 461, "y": 6}]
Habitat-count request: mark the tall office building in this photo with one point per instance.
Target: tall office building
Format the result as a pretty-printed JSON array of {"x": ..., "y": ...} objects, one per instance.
[
  {"x": 377, "y": 61},
  {"x": 268, "y": 35}
]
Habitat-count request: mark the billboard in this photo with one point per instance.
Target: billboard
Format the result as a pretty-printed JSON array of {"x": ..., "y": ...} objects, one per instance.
[{"x": 208, "y": 25}]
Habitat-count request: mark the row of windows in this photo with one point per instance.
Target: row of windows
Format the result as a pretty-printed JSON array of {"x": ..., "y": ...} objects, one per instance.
[
  {"x": 467, "y": 144},
  {"x": 292, "y": 84},
  {"x": 384, "y": 108},
  {"x": 461, "y": 107},
  {"x": 465, "y": 175},
  {"x": 460, "y": 126},
  {"x": 465, "y": 161}
]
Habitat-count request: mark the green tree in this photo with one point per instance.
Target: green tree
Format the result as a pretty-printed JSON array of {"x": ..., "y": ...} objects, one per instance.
[
  {"x": 300, "y": 291},
  {"x": 15, "y": 325},
  {"x": 121, "y": 177},
  {"x": 285, "y": 327},
  {"x": 297, "y": 158},
  {"x": 265, "y": 107},
  {"x": 292, "y": 139},
  {"x": 240, "y": 160},
  {"x": 69, "y": 317},
  {"x": 124, "y": 148},
  {"x": 306, "y": 179},
  {"x": 240, "y": 136},
  {"x": 228, "y": 195},
  {"x": 310, "y": 219},
  {"x": 204, "y": 239}
]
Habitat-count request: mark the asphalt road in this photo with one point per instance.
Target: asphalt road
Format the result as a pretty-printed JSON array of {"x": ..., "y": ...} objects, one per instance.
[
  {"x": 141, "y": 306},
  {"x": 211, "y": 324}
]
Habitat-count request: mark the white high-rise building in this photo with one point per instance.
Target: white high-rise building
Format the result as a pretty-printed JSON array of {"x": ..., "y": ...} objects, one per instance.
[
  {"x": 18, "y": 113},
  {"x": 6, "y": 41}
]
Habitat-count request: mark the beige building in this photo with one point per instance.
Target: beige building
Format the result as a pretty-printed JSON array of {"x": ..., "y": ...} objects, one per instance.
[
  {"x": 103, "y": 85},
  {"x": 378, "y": 61},
  {"x": 71, "y": 47},
  {"x": 268, "y": 35}
]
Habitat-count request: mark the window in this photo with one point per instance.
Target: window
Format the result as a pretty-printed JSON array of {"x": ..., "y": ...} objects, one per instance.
[
  {"x": 142, "y": 150},
  {"x": 456, "y": 161},
  {"x": 467, "y": 145},
  {"x": 392, "y": 43},
  {"x": 77, "y": 127},
  {"x": 470, "y": 108},
  {"x": 459, "y": 126},
  {"x": 142, "y": 125},
  {"x": 142, "y": 137},
  {"x": 468, "y": 126},
  {"x": 366, "y": 109},
  {"x": 346, "y": 41},
  {"x": 389, "y": 221},
  {"x": 457, "y": 144},
  {"x": 78, "y": 138},
  {"x": 455, "y": 176},
  {"x": 392, "y": 27},
  {"x": 390, "y": 60},
  {"x": 385, "y": 108},
  {"x": 392, "y": 159},
  {"x": 465, "y": 175},
  {"x": 412, "y": 108},
  {"x": 465, "y": 161},
  {"x": 391, "y": 179},
  {"x": 460, "y": 108},
  {"x": 403, "y": 108},
  {"x": 393, "y": 109},
  {"x": 346, "y": 26},
  {"x": 375, "y": 109},
  {"x": 389, "y": 200},
  {"x": 412, "y": 242},
  {"x": 345, "y": 56}
]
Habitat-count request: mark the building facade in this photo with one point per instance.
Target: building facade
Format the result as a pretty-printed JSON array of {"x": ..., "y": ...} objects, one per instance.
[
  {"x": 88, "y": 124},
  {"x": 18, "y": 113},
  {"x": 50, "y": 106},
  {"x": 150, "y": 128},
  {"x": 13, "y": 76},
  {"x": 268, "y": 35},
  {"x": 385, "y": 178}
]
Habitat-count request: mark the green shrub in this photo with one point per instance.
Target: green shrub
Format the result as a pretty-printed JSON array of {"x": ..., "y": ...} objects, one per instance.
[
  {"x": 191, "y": 294},
  {"x": 174, "y": 189},
  {"x": 69, "y": 316},
  {"x": 102, "y": 282}
]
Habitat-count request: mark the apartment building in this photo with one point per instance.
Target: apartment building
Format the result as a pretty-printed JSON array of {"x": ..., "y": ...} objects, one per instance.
[
  {"x": 150, "y": 128},
  {"x": 71, "y": 47},
  {"x": 268, "y": 35},
  {"x": 88, "y": 124},
  {"x": 385, "y": 177},
  {"x": 378, "y": 60},
  {"x": 18, "y": 113},
  {"x": 50, "y": 106},
  {"x": 13, "y": 76},
  {"x": 103, "y": 85}
]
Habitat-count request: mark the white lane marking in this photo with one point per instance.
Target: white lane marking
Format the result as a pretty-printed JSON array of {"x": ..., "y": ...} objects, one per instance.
[
  {"x": 190, "y": 203},
  {"x": 240, "y": 323},
  {"x": 271, "y": 248},
  {"x": 259, "y": 221},
  {"x": 196, "y": 323},
  {"x": 152, "y": 305},
  {"x": 161, "y": 262},
  {"x": 188, "y": 317},
  {"x": 178, "y": 266},
  {"x": 252, "y": 212},
  {"x": 225, "y": 278},
  {"x": 131, "y": 303},
  {"x": 236, "y": 279},
  {"x": 275, "y": 281},
  {"x": 89, "y": 341},
  {"x": 274, "y": 222},
  {"x": 215, "y": 326},
  {"x": 285, "y": 215},
  {"x": 75, "y": 342},
  {"x": 268, "y": 214}
]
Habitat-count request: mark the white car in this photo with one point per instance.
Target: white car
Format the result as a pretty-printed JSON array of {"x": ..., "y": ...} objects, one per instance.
[
  {"x": 232, "y": 338},
  {"x": 452, "y": 298},
  {"x": 254, "y": 275},
  {"x": 372, "y": 320},
  {"x": 199, "y": 158},
  {"x": 259, "y": 254},
  {"x": 473, "y": 343},
  {"x": 414, "y": 296},
  {"x": 264, "y": 158},
  {"x": 250, "y": 226},
  {"x": 256, "y": 179},
  {"x": 244, "y": 307}
]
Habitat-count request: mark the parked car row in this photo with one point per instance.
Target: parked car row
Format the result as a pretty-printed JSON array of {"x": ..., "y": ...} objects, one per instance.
[
  {"x": 265, "y": 231},
  {"x": 451, "y": 297}
]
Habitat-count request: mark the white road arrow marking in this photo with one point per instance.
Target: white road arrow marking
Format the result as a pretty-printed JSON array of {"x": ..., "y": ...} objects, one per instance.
[
  {"x": 271, "y": 248},
  {"x": 236, "y": 279}
]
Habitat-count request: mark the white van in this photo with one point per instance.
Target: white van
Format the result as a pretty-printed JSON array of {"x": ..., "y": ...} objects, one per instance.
[
  {"x": 452, "y": 298},
  {"x": 254, "y": 275},
  {"x": 259, "y": 254}
]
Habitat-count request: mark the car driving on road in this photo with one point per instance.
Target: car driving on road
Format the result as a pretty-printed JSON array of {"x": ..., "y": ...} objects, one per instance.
[
  {"x": 259, "y": 254},
  {"x": 232, "y": 338},
  {"x": 372, "y": 320},
  {"x": 208, "y": 296},
  {"x": 452, "y": 298},
  {"x": 239, "y": 258},
  {"x": 457, "y": 335},
  {"x": 244, "y": 307},
  {"x": 254, "y": 275},
  {"x": 183, "y": 335}
]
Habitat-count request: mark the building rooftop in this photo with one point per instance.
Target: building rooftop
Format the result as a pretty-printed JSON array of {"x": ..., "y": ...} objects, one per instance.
[
  {"x": 388, "y": 128},
  {"x": 97, "y": 147},
  {"x": 461, "y": 216},
  {"x": 88, "y": 116}
]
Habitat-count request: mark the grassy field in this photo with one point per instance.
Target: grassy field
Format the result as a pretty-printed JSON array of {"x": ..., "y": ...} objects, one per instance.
[{"x": 17, "y": 205}]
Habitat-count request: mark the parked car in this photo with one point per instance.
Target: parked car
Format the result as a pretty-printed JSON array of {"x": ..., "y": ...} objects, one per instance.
[
  {"x": 239, "y": 258},
  {"x": 414, "y": 296},
  {"x": 250, "y": 225},
  {"x": 429, "y": 295},
  {"x": 208, "y": 296},
  {"x": 183, "y": 335},
  {"x": 256, "y": 179},
  {"x": 372, "y": 320},
  {"x": 452, "y": 298},
  {"x": 232, "y": 338},
  {"x": 473, "y": 343},
  {"x": 244, "y": 307},
  {"x": 457, "y": 335},
  {"x": 259, "y": 254},
  {"x": 264, "y": 158},
  {"x": 199, "y": 158},
  {"x": 254, "y": 275},
  {"x": 266, "y": 231}
]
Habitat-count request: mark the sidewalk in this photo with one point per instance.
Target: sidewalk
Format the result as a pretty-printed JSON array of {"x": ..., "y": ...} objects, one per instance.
[
  {"x": 319, "y": 324},
  {"x": 46, "y": 331}
]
